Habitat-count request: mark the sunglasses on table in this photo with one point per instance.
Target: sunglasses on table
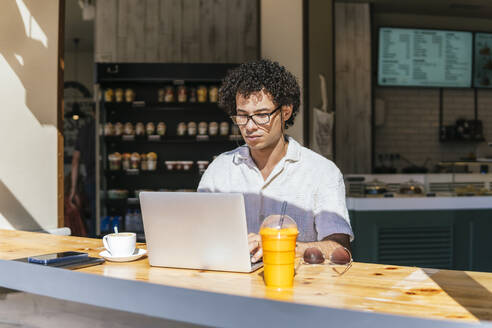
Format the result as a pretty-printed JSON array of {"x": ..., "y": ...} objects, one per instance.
[
  {"x": 340, "y": 260},
  {"x": 259, "y": 119}
]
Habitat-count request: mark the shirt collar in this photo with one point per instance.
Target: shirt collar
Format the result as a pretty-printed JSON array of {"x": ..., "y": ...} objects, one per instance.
[{"x": 242, "y": 155}]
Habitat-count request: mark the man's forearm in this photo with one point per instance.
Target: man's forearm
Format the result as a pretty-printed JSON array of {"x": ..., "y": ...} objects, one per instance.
[{"x": 75, "y": 171}]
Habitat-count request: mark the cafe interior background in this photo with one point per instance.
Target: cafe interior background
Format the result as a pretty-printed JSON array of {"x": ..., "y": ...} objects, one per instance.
[{"x": 416, "y": 158}]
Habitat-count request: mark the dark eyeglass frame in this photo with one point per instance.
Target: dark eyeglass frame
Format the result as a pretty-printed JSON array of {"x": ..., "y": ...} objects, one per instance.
[{"x": 252, "y": 117}]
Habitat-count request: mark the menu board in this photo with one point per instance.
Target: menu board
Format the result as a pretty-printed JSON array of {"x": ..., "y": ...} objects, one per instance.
[
  {"x": 429, "y": 58},
  {"x": 483, "y": 60}
]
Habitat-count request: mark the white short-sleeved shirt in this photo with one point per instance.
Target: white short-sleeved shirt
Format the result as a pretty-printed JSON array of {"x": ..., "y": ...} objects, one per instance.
[{"x": 312, "y": 185}]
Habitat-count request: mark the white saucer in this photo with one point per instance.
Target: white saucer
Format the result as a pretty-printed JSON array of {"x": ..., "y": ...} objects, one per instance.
[{"x": 138, "y": 253}]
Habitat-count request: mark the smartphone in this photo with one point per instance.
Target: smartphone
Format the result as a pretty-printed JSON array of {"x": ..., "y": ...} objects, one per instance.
[
  {"x": 82, "y": 263},
  {"x": 57, "y": 257}
]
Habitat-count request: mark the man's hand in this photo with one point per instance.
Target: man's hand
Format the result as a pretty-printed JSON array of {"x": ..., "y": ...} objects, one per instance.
[
  {"x": 254, "y": 242},
  {"x": 327, "y": 245}
]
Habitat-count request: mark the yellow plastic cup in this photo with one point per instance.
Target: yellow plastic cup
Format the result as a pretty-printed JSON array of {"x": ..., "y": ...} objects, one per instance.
[{"x": 279, "y": 252}]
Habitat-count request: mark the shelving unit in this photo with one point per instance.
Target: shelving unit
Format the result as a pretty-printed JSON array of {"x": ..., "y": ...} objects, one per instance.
[{"x": 146, "y": 80}]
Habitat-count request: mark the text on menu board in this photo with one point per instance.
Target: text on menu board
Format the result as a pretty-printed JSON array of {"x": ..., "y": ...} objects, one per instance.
[
  {"x": 432, "y": 58},
  {"x": 483, "y": 60}
]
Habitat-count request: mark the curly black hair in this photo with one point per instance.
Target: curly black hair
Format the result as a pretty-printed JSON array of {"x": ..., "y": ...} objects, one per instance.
[{"x": 259, "y": 75}]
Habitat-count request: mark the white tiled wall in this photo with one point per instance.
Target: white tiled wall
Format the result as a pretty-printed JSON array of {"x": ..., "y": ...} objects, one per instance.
[{"x": 411, "y": 123}]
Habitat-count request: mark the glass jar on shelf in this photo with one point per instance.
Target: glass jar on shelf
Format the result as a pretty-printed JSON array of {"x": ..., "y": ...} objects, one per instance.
[
  {"x": 202, "y": 128},
  {"x": 224, "y": 128},
  {"x": 108, "y": 95},
  {"x": 118, "y": 95},
  {"x": 192, "y": 128},
  {"x": 128, "y": 129},
  {"x": 143, "y": 162},
  {"x": 181, "y": 129},
  {"x": 202, "y": 166},
  {"x": 213, "y": 93},
  {"x": 213, "y": 128},
  {"x": 135, "y": 160},
  {"x": 114, "y": 160},
  {"x": 202, "y": 94},
  {"x": 152, "y": 161},
  {"x": 161, "y": 128},
  {"x": 235, "y": 130},
  {"x": 108, "y": 129},
  {"x": 125, "y": 161},
  {"x": 169, "y": 94},
  {"x": 118, "y": 129},
  {"x": 139, "y": 129},
  {"x": 161, "y": 95},
  {"x": 182, "y": 94},
  {"x": 150, "y": 128},
  {"x": 192, "y": 97},
  {"x": 129, "y": 95}
]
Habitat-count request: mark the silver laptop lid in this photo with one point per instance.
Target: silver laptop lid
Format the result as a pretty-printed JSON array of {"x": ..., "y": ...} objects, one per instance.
[{"x": 196, "y": 230}]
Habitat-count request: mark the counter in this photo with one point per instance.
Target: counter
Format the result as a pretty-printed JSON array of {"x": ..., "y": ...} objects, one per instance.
[
  {"x": 418, "y": 203},
  {"x": 367, "y": 295},
  {"x": 440, "y": 232}
]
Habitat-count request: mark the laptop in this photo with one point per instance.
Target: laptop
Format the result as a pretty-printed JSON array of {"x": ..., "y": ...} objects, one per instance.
[{"x": 194, "y": 230}]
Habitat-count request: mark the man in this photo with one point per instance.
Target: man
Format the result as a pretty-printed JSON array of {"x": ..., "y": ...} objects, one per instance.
[
  {"x": 263, "y": 98},
  {"x": 84, "y": 152}
]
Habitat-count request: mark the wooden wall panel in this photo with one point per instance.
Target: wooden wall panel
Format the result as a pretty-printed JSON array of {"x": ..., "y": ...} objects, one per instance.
[
  {"x": 122, "y": 30},
  {"x": 170, "y": 31},
  {"x": 151, "y": 31},
  {"x": 190, "y": 31},
  {"x": 249, "y": 30},
  {"x": 208, "y": 29},
  {"x": 219, "y": 48},
  {"x": 353, "y": 88},
  {"x": 135, "y": 34},
  {"x": 234, "y": 18},
  {"x": 105, "y": 31},
  {"x": 191, "y": 25}
]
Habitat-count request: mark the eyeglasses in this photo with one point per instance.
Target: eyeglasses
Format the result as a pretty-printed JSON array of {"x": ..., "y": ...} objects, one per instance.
[
  {"x": 341, "y": 260},
  {"x": 259, "y": 119}
]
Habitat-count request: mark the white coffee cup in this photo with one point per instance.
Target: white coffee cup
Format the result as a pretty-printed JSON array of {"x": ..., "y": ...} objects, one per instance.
[{"x": 120, "y": 244}]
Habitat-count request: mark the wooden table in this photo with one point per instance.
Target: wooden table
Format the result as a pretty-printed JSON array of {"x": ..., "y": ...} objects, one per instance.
[{"x": 383, "y": 289}]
